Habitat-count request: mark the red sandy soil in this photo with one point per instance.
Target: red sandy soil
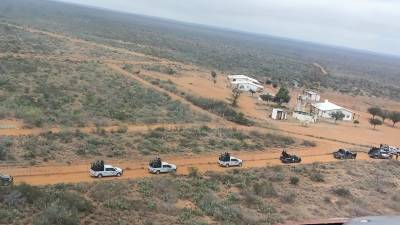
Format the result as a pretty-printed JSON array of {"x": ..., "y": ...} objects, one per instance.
[
  {"x": 199, "y": 82},
  {"x": 75, "y": 173}
]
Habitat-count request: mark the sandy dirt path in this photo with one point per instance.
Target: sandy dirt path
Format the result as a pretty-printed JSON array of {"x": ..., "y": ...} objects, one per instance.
[{"x": 53, "y": 174}]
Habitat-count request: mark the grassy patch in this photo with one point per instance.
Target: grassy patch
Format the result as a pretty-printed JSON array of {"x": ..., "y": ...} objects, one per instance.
[{"x": 53, "y": 92}]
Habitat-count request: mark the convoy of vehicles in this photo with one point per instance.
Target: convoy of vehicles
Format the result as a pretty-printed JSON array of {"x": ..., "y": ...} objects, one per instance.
[
  {"x": 99, "y": 170},
  {"x": 344, "y": 154},
  {"x": 157, "y": 166},
  {"x": 227, "y": 160}
]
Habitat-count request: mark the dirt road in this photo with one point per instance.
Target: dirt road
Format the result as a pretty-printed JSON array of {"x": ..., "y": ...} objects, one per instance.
[{"x": 52, "y": 174}]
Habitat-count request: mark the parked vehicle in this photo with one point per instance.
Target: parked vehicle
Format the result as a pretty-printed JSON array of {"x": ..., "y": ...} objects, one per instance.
[
  {"x": 287, "y": 158},
  {"x": 378, "y": 153},
  {"x": 227, "y": 160},
  {"x": 157, "y": 166},
  {"x": 6, "y": 180},
  {"x": 389, "y": 149},
  {"x": 344, "y": 154},
  {"x": 99, "y": 170}
]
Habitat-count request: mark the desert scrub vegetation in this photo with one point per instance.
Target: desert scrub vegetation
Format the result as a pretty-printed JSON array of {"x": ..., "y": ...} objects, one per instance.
[
  {"x": 233, "y": 197},
  {"x": 359, "y": 74},
  {"x": 49, "y": 92},
  {"x": 217, "y": 107},
  {"x": 71, "y": 144},
  {"x": 50, "y": 205},
  {"x": 220, "y": 108}
]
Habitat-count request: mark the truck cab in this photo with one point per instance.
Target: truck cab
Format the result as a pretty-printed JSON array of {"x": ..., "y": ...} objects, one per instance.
[
  {"x": 227, "y": 160},
  {"x": 157, "y": 166},
  {"x": 98, "y": 169},
  {"x": 6, "y": 180}
]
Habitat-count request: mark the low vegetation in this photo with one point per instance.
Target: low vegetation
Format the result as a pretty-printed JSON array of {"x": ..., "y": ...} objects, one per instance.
[
  {"x": 49, "y": 92},
  {"x": 258, "y": 196},
  {"x": 217, "y": 107},
  {"x": 69, "y": 145},
  {"x": 360, "y": 74}
]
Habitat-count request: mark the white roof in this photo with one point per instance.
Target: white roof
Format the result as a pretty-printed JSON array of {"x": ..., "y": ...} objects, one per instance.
[
  {"x": 243, "y": 77},
  {"x": 328, "y": 106},
  {"x": 312, "y": 92},
  {"x": 247, "y": 82}
]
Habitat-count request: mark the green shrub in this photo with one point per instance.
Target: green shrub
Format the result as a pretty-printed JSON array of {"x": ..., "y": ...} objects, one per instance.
[
  {"x": 294, "y": 180},
  {"x": 30, "y": 193},
  {"x": 277, "y": 177},
  {"x": 317, "y": 176},
  {"x": 341, "y": 191},
  {"x": 56, "y": 214},
  {"x": 264, "y": 189},
  {"x": 193, "y": 172},
  {"x": 220, "y": 108},
  {"x": 288, "y": 197},
  {"x": 74, "y": 201},
  {"x": 5, "y": 147}
]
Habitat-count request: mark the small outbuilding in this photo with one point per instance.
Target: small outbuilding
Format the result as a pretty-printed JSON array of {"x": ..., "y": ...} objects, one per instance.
[{"x": 279, "y": 114}]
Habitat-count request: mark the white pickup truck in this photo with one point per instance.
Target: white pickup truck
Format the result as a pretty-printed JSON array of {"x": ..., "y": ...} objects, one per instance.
[
  {"x": 106, "y": 171},
  {"x": 162, "y": 167},
  {"x": 231, "y": 161}
]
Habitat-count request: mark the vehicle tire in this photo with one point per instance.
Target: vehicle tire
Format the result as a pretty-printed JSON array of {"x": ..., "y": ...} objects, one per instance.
[
  {"x": 240, "y": 164},
  {"x": 99, "y": 175},
  {"x": 118, "y": 174},
  {"x": 227, "y": 165},
  {"x": 157, "y": 172}
]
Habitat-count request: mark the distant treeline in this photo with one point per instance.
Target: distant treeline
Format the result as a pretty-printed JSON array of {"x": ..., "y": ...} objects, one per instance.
[{"x": 285, "y": 61}]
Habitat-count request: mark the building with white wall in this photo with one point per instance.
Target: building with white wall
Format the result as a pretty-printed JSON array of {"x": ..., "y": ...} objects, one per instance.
[
  {"x": 242, "y": 78},
  {"x": 326, "y": 108},
  {"x": 245, "y": 83},
  {"x": 279, "y": 114}
]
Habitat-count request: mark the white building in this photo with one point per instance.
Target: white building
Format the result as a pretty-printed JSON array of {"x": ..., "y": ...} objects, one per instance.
[
  {"x": 247, "y": 86},
  {"x": 278, "y": 114},
  {"x": 242, "y": 78},
  {"x": 311, "y": 96},
  {"x": 245, "y": 83},
  {"x": 325, "y": 109},
  {"x": 306, "y": 99}
]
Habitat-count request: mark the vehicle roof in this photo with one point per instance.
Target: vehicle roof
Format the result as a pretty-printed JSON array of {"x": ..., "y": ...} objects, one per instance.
[
  {"x": 375, "y": 220},
  {"x": 108, "y": 166}
]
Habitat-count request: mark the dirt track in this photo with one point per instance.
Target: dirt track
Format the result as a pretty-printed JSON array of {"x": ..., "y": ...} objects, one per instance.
[{"x": 51, "y": 174}]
